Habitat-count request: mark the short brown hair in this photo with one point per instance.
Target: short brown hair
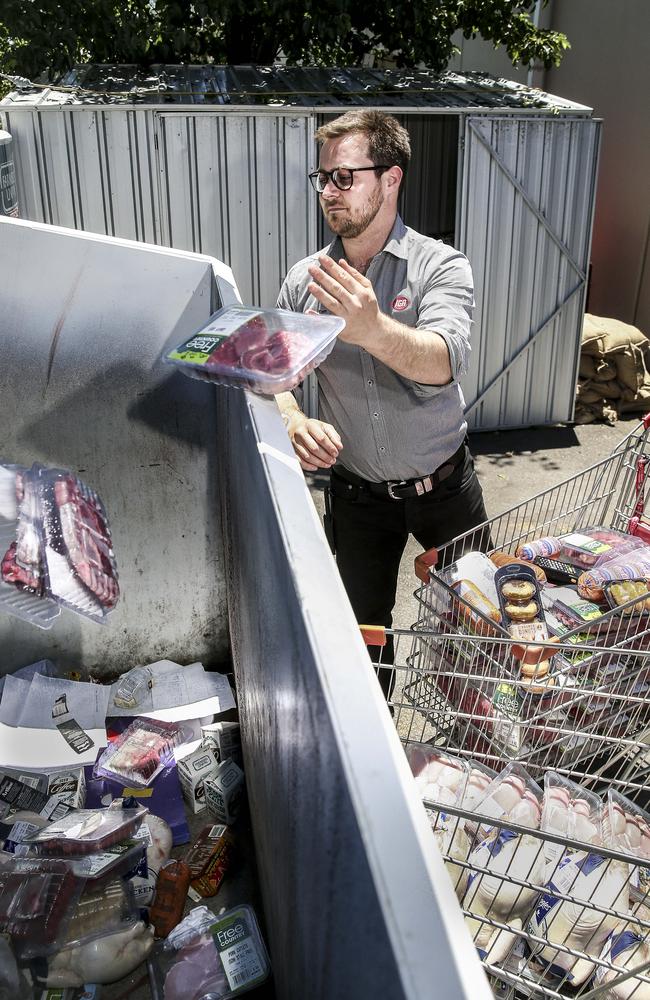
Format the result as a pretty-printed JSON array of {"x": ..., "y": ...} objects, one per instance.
[{"x": 388, "y": 141}]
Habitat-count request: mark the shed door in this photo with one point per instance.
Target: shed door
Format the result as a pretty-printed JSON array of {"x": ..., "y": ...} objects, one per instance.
[{"x": 525, "y": 210}]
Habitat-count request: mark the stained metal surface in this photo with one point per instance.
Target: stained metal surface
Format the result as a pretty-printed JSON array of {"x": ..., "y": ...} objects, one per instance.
[
  {"x": 525, "y": 216},
  {"x": 82, "y": 387},
  {"x": 356, "y": 901}
]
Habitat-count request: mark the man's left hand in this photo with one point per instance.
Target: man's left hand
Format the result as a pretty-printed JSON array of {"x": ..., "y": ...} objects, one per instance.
[{"x": 347, "y": 293}]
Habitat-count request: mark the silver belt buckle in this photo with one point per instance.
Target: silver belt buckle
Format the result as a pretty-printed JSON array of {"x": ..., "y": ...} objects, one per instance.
[{"x": 391, "y": 485}]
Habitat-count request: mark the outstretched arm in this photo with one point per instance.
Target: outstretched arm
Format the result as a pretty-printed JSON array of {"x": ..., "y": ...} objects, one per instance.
[{"x": 418, "y": 353}]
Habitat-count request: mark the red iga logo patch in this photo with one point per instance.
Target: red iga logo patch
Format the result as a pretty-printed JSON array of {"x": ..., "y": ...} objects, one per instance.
[{"x": 400, "y": 303}]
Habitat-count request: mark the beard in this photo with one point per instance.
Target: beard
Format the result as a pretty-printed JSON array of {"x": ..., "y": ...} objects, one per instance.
[{"x": 350, "y": 225}]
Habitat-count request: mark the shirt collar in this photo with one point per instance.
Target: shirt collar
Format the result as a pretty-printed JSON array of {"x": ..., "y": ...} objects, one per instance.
[{"x": 395, "y": 244}]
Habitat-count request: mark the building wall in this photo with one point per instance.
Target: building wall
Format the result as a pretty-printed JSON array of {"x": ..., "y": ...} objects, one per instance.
[{"x": 608, "y": 69}]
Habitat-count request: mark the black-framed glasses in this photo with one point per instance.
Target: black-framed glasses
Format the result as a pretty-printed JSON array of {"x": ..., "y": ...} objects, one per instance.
[{"x": 341, "y": 177}]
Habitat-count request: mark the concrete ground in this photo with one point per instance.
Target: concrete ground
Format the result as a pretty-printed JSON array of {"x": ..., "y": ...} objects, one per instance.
[{"x": 512, "y": 466}]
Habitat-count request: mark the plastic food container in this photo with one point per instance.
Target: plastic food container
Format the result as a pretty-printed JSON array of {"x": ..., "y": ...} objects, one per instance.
[
  {"x": 214, "y": 957},
  {"x": 140, "y": 752},
  {"x": 99, "y": 912},
  {"x": 113, "y": 863},
  {"x": 86, "y": 831},
  {"x": 36, "y": 899},
  {"x": 78, "y": 558},
  {"x": 264, "y": 350},
  {"x": 22, "y": 582}
]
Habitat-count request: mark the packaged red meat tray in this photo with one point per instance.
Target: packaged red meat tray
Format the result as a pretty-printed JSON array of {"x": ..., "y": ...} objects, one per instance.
[
  {"x": 140, "y": 752},
  {"x": 264, "y": 350},
  {"x": 86, "y": 831},
  {"x": 22, "y": 582},
  {"x": 79, "y": 563},
  {"x": 36, "y": 900}
]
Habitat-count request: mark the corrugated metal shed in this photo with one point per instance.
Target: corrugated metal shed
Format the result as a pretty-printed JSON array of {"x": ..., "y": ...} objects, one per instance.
[
  {"x": 214, "y": 159},
  {"x": 297, "y": 86}
]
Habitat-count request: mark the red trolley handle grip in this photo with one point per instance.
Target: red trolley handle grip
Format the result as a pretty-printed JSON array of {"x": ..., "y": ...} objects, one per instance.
[{"x": 424, "y": 562}]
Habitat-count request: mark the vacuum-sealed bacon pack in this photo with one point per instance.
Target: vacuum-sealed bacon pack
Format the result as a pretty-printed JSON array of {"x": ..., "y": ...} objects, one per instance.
[
  {"x": 56, "y": 547},
  {"x": 265, "y": 350}
]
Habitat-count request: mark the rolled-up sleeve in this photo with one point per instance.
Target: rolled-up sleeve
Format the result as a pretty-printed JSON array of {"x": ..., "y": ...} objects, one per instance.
[{"x": 446, "y": 306}]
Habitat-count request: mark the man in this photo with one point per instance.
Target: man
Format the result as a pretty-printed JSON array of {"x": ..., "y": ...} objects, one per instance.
[{"x": 391, "y": 426}]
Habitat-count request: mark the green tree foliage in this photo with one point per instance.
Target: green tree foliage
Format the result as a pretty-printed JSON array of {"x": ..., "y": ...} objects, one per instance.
[{"x": 39, "y": 36}]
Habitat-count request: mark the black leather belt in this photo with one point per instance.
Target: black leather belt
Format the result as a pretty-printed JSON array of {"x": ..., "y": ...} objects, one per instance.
[{"x": 403, "y": 489}]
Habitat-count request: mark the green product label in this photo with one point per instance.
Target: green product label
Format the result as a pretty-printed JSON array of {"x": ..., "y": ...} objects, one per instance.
[
  {"x": 197, "y": 349},
  {"x": 586, "y": 610},
  {"x": 241, "y": 960}
]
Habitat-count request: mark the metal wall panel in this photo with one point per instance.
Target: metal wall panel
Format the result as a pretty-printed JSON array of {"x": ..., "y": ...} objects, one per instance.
[
  {"x": 235, "y": 186},
  {"x": 232, "y": 184},
  {"x": 525, "y": 214}
]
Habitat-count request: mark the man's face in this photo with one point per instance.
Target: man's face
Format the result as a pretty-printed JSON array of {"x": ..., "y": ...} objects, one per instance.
[{"x": 349, "y": 213}]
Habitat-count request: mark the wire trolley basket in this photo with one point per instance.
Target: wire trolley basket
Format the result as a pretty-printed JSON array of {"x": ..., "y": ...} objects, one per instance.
[{"x": 532, "y": 758}]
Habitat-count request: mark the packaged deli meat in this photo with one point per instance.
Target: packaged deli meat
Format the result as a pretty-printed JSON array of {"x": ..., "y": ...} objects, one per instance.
[
  {"x": 22, "y": 582},
  {"x": 86, "y": 831},
  {"x": 79, "y": 562},
  {"x": 37, "y": 896},
  {"x": 265, "y": 350},
  {"x": 140, "y": 752},
  {"x": 55, "y": 546}
]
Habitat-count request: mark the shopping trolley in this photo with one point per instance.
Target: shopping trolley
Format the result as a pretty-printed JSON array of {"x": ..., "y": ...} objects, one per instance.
[{"x": 551, "y": 915}]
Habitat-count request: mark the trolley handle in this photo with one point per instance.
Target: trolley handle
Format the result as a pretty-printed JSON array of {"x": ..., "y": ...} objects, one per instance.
[{"x": 424, "y": 562}]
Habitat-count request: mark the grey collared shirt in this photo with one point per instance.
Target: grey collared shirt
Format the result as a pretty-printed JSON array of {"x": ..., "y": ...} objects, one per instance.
[{"x": 391, "y": 426}]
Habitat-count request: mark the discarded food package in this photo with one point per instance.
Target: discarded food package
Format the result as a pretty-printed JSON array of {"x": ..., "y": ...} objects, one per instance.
[
  {"x": 36, "y": 899},
  {"x": 265, "y": 350},
  {"x": 214, "y": 956},
  {"x": 193, "y": 769},
  {"x": 209, "y": 858},
  {"x": 140, "y": 752},
  {"x": 224, "y": 791},
  {"x": 86, "y": 831},
  {"x": 55, "y": 546},
  {"x": 80, "y": 567},
  {"x": 21, "y": 566}
]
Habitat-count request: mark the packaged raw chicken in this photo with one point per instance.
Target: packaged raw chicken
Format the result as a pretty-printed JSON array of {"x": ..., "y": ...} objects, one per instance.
[
  {"x": 571, "y": 813},
  {"x": 627, "y": 948},
  {"x": 441, "y": 780},
  {"x": 627, "y": 829},
  {"x": 581, "y": 887},
  {"x": 513, "y": 797},
  {"x": 479, "y": 779},
  {"x": 264, "y": 350}
]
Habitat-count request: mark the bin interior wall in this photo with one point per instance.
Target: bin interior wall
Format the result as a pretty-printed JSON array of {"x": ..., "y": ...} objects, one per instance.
[
  {"x": 82, "y": 386},
  {"x": 357, "y": 902}
]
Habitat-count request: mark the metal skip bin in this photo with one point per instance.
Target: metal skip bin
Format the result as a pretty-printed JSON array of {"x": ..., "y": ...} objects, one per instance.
[{"x": 220, "y": 549}]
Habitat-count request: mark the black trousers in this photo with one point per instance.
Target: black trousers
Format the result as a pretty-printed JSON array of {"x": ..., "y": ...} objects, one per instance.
[{"x": 369, "y": 535}]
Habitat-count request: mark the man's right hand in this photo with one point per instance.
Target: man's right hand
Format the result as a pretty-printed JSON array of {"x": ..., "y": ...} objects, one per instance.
[{"x": 316, "y": 443}]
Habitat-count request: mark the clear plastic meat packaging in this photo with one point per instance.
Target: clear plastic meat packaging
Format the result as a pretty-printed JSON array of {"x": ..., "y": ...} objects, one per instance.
[
  {"x": 86, "y": 831},
  {"x": 79, "y": 562},
  {"x": 216, "y": 957},
  {"x": 22, "y": 581},
  {"x": 140, "y": 752},
  {"x": 265, "y": 350},
  {"x": 37, "y": 896}
]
